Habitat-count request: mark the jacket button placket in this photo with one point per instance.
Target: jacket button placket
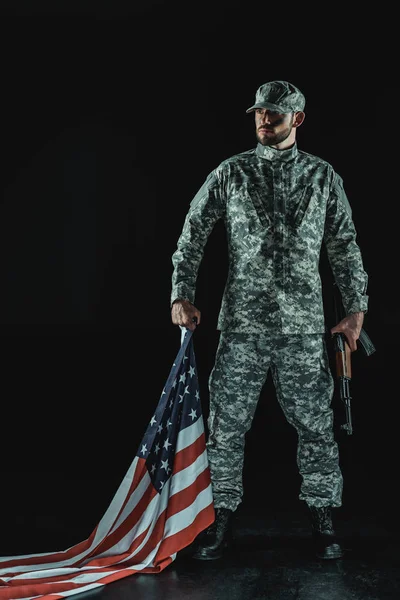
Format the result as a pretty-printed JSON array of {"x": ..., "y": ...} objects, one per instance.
[{"x": 279, "y": 236}]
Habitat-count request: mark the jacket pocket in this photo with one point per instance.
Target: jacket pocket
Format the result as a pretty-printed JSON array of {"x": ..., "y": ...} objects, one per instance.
[
  {"x": 259, "y": 206},
  {"x": 302, "y": 208}
]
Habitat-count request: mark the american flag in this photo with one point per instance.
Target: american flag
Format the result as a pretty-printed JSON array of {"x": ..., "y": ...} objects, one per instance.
[{"x": 164, "y": 501}]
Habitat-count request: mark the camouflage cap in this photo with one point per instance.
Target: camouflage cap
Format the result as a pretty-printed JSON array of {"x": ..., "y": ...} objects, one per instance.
[{"x": 279, "y": 96}]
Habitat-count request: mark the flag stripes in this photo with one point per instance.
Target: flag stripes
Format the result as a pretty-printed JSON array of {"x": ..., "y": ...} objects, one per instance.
[{"x": 164, "y": 501}]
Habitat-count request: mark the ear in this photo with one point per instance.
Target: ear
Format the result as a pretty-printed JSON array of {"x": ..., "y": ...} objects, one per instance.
[{"x": 298, "y": 118}]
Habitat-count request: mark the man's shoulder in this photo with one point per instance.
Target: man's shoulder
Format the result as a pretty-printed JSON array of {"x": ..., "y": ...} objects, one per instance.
[
  {"x": 314, "y": 159},
  {"x": 246, "y": 155}
]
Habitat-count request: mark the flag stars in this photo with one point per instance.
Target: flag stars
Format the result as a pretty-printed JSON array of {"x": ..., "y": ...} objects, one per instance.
[
  {"x": 166, "y": 444},
  {"x": 159, "y": 445}
]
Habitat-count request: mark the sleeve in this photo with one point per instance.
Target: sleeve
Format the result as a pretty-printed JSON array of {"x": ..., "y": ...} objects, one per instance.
[
  {"x": 206, "y": 208},
  {"x": 343, "y": 252}
]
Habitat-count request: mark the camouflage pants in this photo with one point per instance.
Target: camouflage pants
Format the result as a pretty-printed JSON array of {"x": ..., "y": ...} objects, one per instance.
[{"x": 304, "y": 389}]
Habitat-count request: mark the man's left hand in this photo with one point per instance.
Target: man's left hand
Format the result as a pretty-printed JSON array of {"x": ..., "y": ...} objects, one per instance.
[{"x": 351, "y": 327}]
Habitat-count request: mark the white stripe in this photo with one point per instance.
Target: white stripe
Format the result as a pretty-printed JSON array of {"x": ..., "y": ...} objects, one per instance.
[
  {"x": 178, "y": 482},
  {"x": 151, "y": 521},
  {"x": 185, "y": 517},
  {"x": 81, "y": 576},
  {"x": 92, "y": 583},
  {"x": 133, "y": 500},
  {"x": 190, "y": 434},
  {"x": 103, "y": 530},
  {"x": 149, "y": 516},
  {"x": 187, "y": 476},
  {"x": 159, "y": 503},
  {"x": 183, "y": 333},
  {"x": 174, "y": 524}
]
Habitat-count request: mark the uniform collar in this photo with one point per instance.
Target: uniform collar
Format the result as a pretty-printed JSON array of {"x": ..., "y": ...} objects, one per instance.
[{"x": 273, "y": 154}]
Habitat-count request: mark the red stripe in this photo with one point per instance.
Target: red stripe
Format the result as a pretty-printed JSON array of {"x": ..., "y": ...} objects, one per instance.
[
  {"x": 187, "y": 496},
  {"x": 48, "y": 558},
  {"x": 14, "y": 592},
  {"x": 176, "y": 503},
  {"x": 53, "y": 589},
  {"x": 169, "y": 546},
  {"x": 68, "y": 576},
  {"x": 183, "y": 538},
  {"x": 140, "y": 471},
  {"x": 55, "y": 557},
  {"x": 155, "y": 537},
  {"x": 130, "y": 522},
  {"x": 185, "y": 457},
  {"x": 108, "y": 561}
]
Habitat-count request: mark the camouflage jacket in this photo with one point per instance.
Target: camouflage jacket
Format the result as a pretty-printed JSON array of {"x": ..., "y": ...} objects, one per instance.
[{"x": 278, "y": 206}]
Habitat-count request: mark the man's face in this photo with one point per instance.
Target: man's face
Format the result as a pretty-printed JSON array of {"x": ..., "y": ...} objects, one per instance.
[{"x": 272, "y": 127}]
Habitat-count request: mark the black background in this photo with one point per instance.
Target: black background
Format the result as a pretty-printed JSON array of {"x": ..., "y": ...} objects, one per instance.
[{"x": 113, "y": 113}]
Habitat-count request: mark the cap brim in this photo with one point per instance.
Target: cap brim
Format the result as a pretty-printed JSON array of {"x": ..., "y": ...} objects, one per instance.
[{"x": 270, "y": 106}]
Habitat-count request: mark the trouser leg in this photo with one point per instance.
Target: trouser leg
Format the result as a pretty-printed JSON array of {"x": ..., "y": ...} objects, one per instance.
[
  {"x": 304, "y": 388},
  {"x": 239, "y": 373}
]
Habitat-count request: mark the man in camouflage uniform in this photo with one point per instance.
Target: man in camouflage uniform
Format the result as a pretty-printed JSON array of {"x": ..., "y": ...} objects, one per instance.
[{"x": 278, "y": 204}]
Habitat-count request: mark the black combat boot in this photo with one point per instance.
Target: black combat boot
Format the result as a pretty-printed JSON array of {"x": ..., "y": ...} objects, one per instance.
[
  {"x": 216, "y": 537},
  {"x": 327, "y": 545}
]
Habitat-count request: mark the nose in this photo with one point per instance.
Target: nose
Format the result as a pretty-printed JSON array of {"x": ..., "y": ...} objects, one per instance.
[{"x": 265, "y": 117}]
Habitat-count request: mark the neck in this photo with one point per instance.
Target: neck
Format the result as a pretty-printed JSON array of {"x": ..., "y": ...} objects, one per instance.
[{"x": 288, "y": 143}]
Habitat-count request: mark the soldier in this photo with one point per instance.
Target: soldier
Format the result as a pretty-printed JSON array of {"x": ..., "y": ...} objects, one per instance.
[{"x": 278, "y": 205}]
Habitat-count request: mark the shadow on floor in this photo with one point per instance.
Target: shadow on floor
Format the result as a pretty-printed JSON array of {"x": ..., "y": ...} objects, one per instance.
[{"x": 271, "y": 558}]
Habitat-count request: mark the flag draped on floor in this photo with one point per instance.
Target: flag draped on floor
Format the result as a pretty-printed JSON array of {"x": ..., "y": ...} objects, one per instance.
[{"x": 164, "y": 501}]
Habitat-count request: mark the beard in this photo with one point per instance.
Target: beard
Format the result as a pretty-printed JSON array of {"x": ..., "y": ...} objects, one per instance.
[{"x": 273, "y": 138}]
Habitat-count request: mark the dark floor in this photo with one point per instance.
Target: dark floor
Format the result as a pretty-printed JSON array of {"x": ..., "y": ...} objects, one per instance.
[
  {"x": 271, "y": 557},
  {"x": 62, "y": 494}
]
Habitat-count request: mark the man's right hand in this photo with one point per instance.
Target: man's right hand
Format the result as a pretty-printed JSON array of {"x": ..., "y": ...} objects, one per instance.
[{"x": 183, "y": 312}]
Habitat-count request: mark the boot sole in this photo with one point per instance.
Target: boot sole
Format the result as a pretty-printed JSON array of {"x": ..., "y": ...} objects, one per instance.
[
  {"x": 203, "y": 555},
  {"x": 330, "y": 555},
  {"x": 197, "y": 557}
]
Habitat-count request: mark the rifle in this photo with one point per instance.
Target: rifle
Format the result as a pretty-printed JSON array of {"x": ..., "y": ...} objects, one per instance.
[{"x": 343, "y": 358}]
